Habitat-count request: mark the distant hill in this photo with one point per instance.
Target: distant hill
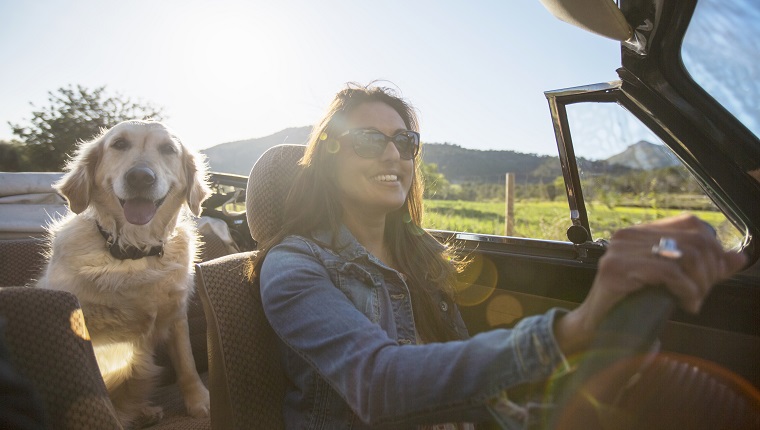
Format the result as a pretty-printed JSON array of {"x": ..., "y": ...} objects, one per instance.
[
  {"x": 490, "y": 166},
  {"x": 238, "y": 157},
  {"x": 456, "y": 163},
  {"x": 645, "y": 156}
]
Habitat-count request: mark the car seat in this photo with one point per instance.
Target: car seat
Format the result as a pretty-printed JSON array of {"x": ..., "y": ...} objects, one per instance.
[{"x": 246, "y": 379}]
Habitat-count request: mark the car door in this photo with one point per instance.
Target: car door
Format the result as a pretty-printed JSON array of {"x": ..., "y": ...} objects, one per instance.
[{"x": 686, "y": 152}]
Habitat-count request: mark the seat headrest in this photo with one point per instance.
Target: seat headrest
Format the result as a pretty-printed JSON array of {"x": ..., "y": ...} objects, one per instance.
[{"x": 268, "y": 186}]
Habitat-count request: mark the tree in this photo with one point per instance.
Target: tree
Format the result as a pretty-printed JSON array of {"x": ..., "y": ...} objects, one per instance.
[
  {"x": 436, "y": 185},
  {"x": 12, "y": 158},
  {"x": 74, "y": 115}
]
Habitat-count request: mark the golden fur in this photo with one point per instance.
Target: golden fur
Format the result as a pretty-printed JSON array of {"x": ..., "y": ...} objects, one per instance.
[{"x": 131, "y": 306}]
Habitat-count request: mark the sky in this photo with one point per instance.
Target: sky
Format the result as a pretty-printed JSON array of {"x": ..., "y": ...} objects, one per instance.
[{"x": 232, "y": 70}]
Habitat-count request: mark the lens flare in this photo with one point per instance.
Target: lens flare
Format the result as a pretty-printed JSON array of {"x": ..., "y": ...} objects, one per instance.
[
  {"x": 333, "y": 146},
  {"x": 477, "y": 282},
  {"x": 503, "y": 309}
]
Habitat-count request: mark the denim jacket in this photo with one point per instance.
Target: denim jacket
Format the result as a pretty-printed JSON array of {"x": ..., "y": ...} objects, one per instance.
[{"x": 348, "y": 344}]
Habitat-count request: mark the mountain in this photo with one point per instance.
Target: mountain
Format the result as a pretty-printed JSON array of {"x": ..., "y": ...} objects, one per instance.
[
  {"x": 645, "y": 156},
  {"x": 490, "y": 166},
  {"x": 456, "y": 163},
  {"x": 238, "y": 157}
]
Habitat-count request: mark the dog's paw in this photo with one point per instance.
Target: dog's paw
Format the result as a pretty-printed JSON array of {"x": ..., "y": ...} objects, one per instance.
[
  {"x": 198, "y": 403},
  {"x": 150, "y": 415}
]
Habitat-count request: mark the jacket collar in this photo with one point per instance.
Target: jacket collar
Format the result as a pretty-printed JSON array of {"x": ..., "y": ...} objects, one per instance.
[
  {"x": 346, "y": 245},
  {"x": 342, "y": 243}
]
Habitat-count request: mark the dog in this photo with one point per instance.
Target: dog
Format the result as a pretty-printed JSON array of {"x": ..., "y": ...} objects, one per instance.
[{"x": 126, "y": 251}]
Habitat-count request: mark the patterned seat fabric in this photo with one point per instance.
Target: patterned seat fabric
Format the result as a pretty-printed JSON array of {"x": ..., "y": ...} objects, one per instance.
[
  {"x": 246, "y": 378},
  {"x": 21, "y": 261},
  {"x": 50, "y": 347},
  {"x": 268, "y": 186},
  {"x": 245, "y": 375}
]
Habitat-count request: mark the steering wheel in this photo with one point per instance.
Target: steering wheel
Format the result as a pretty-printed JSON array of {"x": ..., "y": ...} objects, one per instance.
[{"x": 625, "y": 335}]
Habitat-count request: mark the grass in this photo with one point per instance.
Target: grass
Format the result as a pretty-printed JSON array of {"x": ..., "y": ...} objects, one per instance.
[{"x": 550, "y": 220}]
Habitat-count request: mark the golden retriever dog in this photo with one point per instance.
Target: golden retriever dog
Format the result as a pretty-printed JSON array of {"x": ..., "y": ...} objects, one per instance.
[{"x": 127, "y": 253}]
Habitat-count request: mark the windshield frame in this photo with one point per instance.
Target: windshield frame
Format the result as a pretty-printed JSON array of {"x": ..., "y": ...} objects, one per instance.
[{"x": 716, "y": 146}]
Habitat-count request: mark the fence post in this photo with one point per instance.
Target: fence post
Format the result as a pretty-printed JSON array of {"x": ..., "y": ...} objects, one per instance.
[{"x": 509, "y": 207}]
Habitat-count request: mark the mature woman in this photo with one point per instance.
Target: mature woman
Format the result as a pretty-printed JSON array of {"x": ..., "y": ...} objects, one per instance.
[{"x": 361, "y": 297}]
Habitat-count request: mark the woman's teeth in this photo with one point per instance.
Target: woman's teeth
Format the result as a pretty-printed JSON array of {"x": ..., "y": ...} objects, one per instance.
[{"x": 386, "y": 178}]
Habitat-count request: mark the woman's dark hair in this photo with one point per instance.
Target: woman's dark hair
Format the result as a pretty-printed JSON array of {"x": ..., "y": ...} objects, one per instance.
[{"x": 429, "y": 266}]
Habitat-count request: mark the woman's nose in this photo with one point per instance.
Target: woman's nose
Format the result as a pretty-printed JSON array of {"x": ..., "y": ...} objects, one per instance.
[{"x": 391, "y": 152}]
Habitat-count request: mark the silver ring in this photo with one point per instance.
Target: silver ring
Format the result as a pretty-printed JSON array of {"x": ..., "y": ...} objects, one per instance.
[{"x": 667, "y": 248}]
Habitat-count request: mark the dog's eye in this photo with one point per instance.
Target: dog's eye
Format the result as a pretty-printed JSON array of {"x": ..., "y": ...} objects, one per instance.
[
  {"x": 120, "y": 144},
  {"x": 168, "y": 149}
]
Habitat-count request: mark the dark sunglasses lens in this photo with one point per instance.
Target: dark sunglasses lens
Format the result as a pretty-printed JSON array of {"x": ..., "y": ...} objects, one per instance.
[
  {"x": 372, "y": 143},
  {"x": 369, "y": 144},
  {"x": 406, "y": 143}
]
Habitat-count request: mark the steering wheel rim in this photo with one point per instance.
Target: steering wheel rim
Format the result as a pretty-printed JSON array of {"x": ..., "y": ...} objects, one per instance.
[{"x": 629, "y": 330}]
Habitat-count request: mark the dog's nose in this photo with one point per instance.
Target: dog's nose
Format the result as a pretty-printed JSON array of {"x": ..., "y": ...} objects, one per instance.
[{"x": 140, "y": 177}]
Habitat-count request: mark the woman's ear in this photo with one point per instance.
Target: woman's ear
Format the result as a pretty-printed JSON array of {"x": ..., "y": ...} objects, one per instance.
[
  {"x": 77, "y": 184},
  {"x": 196, "y": 179}
]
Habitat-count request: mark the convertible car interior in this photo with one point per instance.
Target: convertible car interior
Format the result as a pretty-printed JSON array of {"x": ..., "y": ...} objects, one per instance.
[{"x": 652, "y": 365}]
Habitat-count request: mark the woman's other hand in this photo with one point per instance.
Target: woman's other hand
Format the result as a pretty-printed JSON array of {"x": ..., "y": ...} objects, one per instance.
[{"x": 630, "y": 264}]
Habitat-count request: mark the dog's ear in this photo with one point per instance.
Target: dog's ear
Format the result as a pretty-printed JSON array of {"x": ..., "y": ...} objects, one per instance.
[
  {"x": 196, "y": 178},
  {"x": 79, "y": 180}
]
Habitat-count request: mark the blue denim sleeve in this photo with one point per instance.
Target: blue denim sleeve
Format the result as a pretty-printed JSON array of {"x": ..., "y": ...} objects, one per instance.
[{"x": 384, "y": 382}]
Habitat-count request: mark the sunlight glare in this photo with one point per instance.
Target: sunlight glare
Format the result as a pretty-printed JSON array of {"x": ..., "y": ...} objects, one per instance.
[
  {"x": 229, "y": 49},
  {"x": 115, "y": 361},
  {"x": 76, "y": 319}
]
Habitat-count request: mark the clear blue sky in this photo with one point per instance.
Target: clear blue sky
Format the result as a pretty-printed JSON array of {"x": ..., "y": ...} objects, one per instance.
[{"x": 233, "y": 70}]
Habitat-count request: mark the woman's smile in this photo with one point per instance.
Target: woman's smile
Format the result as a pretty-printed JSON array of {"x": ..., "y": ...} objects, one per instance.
[
  {"x": 377, "y": 185},
  {"x": 386, "y": 178}
]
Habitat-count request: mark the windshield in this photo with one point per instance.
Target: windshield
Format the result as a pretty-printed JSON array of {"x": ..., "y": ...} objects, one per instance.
[{"x": 721, "y": 49}]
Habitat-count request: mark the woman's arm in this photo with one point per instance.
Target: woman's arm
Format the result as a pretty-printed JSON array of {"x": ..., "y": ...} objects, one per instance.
[{"x": 380, "y": 380}]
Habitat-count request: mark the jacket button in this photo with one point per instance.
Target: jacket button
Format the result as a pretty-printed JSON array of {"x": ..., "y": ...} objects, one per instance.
[
  {"x": 444, "y": 306},
  {"x": 397, "y": 296},
  {"x": 404, "y": 341}
]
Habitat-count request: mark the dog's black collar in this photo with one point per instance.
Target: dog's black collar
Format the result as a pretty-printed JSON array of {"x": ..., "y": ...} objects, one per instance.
[{"x": 129, "y": 251}]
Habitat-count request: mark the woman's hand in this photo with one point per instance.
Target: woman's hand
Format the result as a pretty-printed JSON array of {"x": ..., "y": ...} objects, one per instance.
[{"x": 630, "y": 264}]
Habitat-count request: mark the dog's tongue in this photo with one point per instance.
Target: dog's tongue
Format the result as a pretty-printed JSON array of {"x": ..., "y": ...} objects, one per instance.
[{"x": 139, "y": 211}]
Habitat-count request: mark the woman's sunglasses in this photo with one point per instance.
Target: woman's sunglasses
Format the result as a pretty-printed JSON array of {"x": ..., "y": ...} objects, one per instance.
[{"x": 369, "y": 143}]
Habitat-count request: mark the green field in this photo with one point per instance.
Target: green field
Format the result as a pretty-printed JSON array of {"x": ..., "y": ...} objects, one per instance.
[{"x": 550, "y": 220}]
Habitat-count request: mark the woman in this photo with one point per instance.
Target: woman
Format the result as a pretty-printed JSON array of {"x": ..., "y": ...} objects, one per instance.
[{"x": 361, "y": 297}]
